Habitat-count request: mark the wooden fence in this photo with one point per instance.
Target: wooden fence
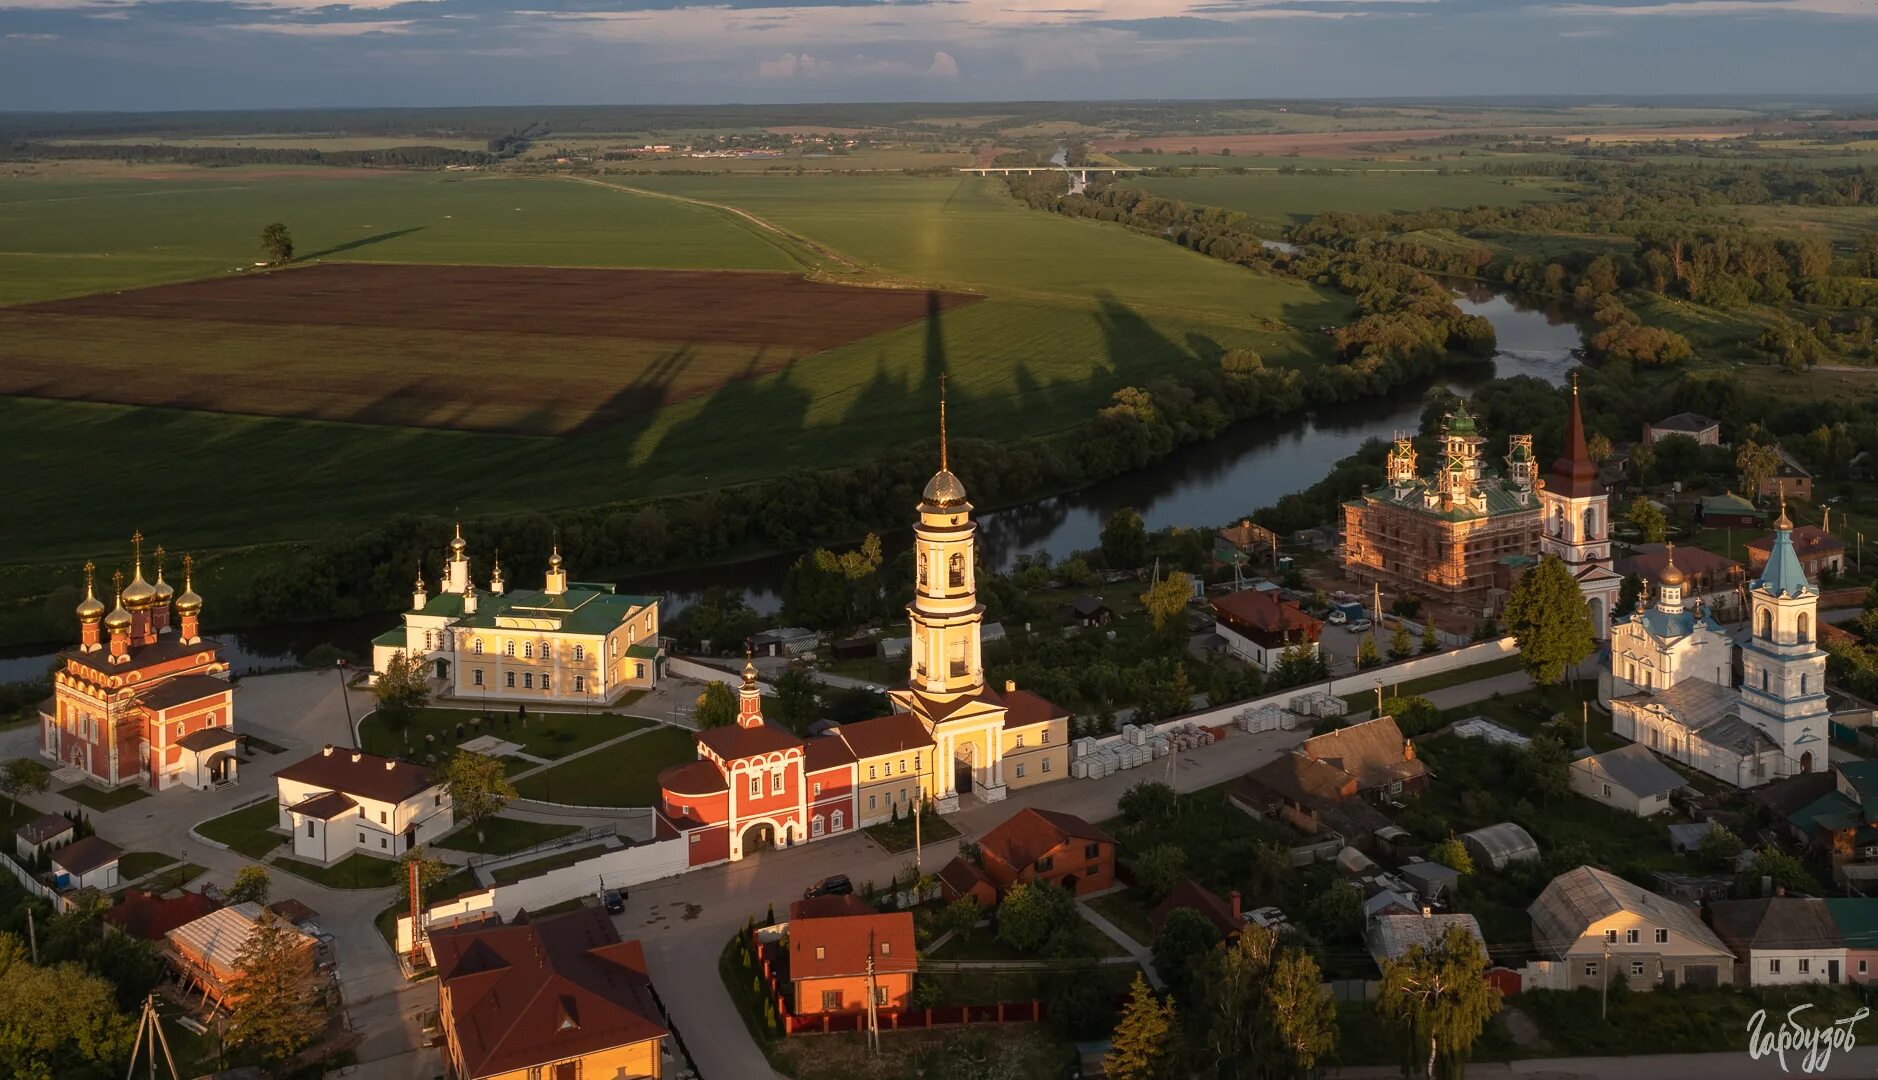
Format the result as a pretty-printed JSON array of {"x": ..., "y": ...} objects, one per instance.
[{"x": 771, "y": 970}]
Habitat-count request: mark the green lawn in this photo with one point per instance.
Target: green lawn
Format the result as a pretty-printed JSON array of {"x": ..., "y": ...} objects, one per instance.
[
  {"x": 1280, "y": 199},
  {"x": 102, "y": 800},
  {"x": 535, "y": 867},
  {"x": 135, "y": 864},
  {"x": 1365, "y": 700},
  {"x": 174, "y": 878},
  {"x": 625, "y": 774},
  {"x": 1128, "y": 911},
  {"x": 502, "y": 836},
  {"x": 355, "y": 871},
  {"x": 898, "y": 836},
  {"x": 434, "y": 735},
  {"x": 247, "y": 830},
  {"x": 1681, "y": 1021}
]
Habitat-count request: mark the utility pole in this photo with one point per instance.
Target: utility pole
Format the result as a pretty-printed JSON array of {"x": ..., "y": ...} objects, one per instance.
[
  {"x": 32, "y": 935},
  {"x": 1604, "y": 984},
  {"x": 1586, "y": 706},
  {"x": 919, "y": 811},
  {"x": 873, "y": 1013},
  {"x": 152, "y": 1023},
  {"x": 1375, "y": 615},
  {"x": 340, "y": 667}
]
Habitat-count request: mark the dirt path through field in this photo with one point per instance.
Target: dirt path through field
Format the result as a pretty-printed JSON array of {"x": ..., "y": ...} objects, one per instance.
[{"x": 795, "y": 244}]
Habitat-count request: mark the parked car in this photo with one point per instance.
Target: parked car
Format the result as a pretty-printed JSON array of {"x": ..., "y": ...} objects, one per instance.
[
  {"x": 837, "y": 885},
  {"x": 1359, "y": 626},
  {"x": 1270, "y": 918},
  {"x": 615, "y": 900},
  {"x": 1336, "y": 617}
]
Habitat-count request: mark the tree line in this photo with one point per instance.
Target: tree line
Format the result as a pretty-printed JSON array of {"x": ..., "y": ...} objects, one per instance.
[{"x": 401, "y": 157}]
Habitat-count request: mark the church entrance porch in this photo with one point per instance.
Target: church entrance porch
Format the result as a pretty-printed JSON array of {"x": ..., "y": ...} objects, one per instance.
[{"x": 962, "y": 767}]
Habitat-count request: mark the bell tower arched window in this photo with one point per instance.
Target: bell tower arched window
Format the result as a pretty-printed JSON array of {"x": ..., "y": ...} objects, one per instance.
[
  {"x": 1805, "y": 629},
  {"x": 922, "y": 569},
  {"x": 955, "y": 570},
  {"x": 1767, "y": 625}
]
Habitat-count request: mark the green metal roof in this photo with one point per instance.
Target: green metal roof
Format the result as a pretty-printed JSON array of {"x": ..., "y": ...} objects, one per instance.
[
  {"x": 1729, "y": 504},
  {"x": 576, "y": 611},
  {"x": 643, "y": 650},
  {"x": 1857, "y": 920},
  {"x": 449, "y": 605},
  {"x": 394, "y": 638},
  {"x": 1829, "y": 811}
]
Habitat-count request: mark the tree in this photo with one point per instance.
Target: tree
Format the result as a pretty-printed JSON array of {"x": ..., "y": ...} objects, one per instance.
[
  {"x": 277, "y": 242},
  {"x": 1628, "y": 594},
  {"x": 58, "y": 1021},
  {"x": 402, "y": 691},
  {"x": 23, "y": 776},
  {"x": 1643, "y": 461},
  {"x": 795, "y": 705},
  {"x": 1547, "y": 767},
  {"x": 272, "y": 1001},
  {"x": 1030, "y": 912},
  {"x": 1159, "y": 869},
  {"x": 1599, "y": 447},
  {"x": 430, "y": 871},
  {"x": 1186, "y": 936},
  {"x": 1366, "y": 656},
  {"x": 479, "y": 788},
  {"x": 1124, "y": 539},
  {"x": 1787, "y": 871},
  {"x": 960, "y": 917},
  {"x": 1546, "y": 614},
  {"x": 1452, "y": 854},
  {"x": 717, "y": 706},
  {"x": 1337, "y": 912},
  {"x": 1439, "y": 1000},
  {"x": 1400, "y": 644},
  {"x": 1719, "y": 849},
  {"x": 1758, "y": 462},
  {"x": 1148, "y": 803},
  {"x": 1145, "y": 1043},
  {"x": 1649, "y": 521},
  {"x": 1304, "y": 1016},
  {"x": 1166, "y": 604},
  {"x": 1414, "y": 714},
  {"x": 251, "y": 886},
  {"x": 1431, "y": 642}
]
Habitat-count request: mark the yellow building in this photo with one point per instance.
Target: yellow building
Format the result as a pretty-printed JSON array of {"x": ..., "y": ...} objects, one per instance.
[{"x": 567, "y": 643}]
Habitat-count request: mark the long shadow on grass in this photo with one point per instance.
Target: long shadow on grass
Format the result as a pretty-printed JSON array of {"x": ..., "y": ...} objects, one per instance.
[{"x": 363, "y": 241}]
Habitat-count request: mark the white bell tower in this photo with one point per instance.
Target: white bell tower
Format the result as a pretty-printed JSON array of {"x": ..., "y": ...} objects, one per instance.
[
  {"x": 1783, "y": 669},
  {"x": 1575, "y": 523}
]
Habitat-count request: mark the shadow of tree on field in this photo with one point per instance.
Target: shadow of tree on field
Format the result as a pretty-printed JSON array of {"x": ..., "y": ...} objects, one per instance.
[{"x": 363, "y": 241}]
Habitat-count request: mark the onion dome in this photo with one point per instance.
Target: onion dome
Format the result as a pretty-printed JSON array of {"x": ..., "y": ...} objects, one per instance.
[
  {"x": 118, "y": 619},
  {"x": 554, "y": 558},
  {"x": 90, "y": 609},
  {"x": 1671, "y": 575},
  {"x": 458, "y": 544},
  {"x": 495, "y": 572},
  {"x": 165, "y": 592},
  {"x": 1783, "y": 523},
  {"x": 188, "y": 603},
  {"x": 944, "y": 490},
  {"x": 1460, "y": 421}
]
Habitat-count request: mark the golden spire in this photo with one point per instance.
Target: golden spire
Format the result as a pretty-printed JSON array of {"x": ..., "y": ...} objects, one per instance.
[
  {"x": 118, "y": 619},
  {"x": 458, "y": 543},
  {"x": 138, "y": 595},
  {"x": 188, "y": 602},
  {"x": 942, "y": 422},
  {"x": 163, "y": 590},
  {"x": 1671, "y": 575},
  {"x": 90, "y": 609},
  {"x": 1785, "y": 522},
  {"x": 554, "y": 555},
  {"x": 420, "y": 573}
]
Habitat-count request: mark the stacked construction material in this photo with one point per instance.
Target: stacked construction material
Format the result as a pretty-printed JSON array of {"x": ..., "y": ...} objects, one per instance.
[
  {"x": 1082, "y": 747},
  {"x": 1263, "y": 718},
  {"x": 1318, "y": 703}
]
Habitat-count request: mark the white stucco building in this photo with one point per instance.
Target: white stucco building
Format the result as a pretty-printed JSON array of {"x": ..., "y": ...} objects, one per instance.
[{"x": 340, "y": 801}]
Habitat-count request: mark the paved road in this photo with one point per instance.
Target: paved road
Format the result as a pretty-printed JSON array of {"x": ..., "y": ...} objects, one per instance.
[{"x": 1859, "y": 1062}]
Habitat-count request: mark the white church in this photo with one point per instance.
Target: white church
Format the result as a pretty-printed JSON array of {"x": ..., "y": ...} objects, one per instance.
[{"x": 1669, "y": 684}]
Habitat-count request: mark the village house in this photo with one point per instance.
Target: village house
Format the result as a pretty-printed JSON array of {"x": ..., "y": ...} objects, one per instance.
[
  {"x": 1392, "y": 935},
  {"x": 962, "y": 878},
  {"x": 1856, "y": 920},
  {"x": 1373, "y": 753},
  {"x": 340, "y": 801},
  {"x": 832, "y": 940},
  {"x": 206, "y": 952},
  {"x": 143, "y": 698},
  {"x": 566, "y": 643},
  {"x": 1242, "y": 545},
  {"x": 1790, "y": 479},
  {"x": 1727, "y": 511},
  {"x": 1259, "y": 627},
  {"x": 1709, "y": 581},
  {"x": 1603, "y": 927},
  {"x": 1044, "y": 845},
  {"x": 1703, "y": 430},
  {"x": 1089, "y": 610},
  {"x": 1780, "y": 940},
  {"x": 43, "y": 833},
  {"x": 1820, "y": 553},
  {"x": 1226, "y": 915},
  {"x": 1839, "y": 819},
  {"x": 1628, "y": 778},
  {"x": 554, "y": 998},
  {"x": 90, "y": 863}
]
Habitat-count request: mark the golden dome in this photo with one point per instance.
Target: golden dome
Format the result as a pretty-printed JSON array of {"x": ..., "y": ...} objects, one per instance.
[
  {"x": 90, "y": 609},
  {"x": 138, "y": 595},
  {"x": 188, "y": 603},
  {"x": 554, "y": 558},
  {"x": 944, "y": 490},
  {"x": 1671, "y": 575},
  {"x": 118, "y": 619},
  {"x": 164, "y": 590},
  {"x": 458, "y": 544}
]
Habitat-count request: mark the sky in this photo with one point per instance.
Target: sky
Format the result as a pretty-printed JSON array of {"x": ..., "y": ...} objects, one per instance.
[{"x": 228, "y": 54}]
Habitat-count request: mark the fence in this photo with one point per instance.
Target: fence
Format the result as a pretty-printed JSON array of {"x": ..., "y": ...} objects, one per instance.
[
  {"x": 700, "y": 672},
  {"x": 33, "y": 885},
  {"x": 584, "y": 836},
  {"x": 766, "y": 946}
]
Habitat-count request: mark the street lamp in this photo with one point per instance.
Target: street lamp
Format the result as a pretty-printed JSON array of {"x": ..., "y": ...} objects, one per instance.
[{"x": 353, "y": 732}]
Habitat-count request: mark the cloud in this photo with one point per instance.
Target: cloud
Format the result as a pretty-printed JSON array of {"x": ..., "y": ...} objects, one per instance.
[
  {"x": 32, "y": 37},
  {"x": 1849, "y": 8},
  {"x": 319, "y": 30},
  {"x": 1592, "y": 32},
  {"x": 943, "y": 66}
]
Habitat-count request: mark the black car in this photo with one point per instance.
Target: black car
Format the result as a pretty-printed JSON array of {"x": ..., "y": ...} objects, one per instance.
[
  {"x": 838, "y": 885},
  {"x": 615, "y": 900}
]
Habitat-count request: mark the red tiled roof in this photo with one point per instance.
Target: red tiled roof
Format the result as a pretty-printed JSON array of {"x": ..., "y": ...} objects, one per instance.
[
  {"x": 84, "y": 856},
  {"x": 1191, "y": 894},
  {"x": 357, "y": 773},
  {"x": 530, "y": 993},
  {"x": 149, "y": 916},
  {"x": 1023, "y": 708},
  {"x": 1649, "y": 560},
  {"x": 824, "y": 946},
  {"x": 1266, "y": 612},
  {"x": 735, "y": 741},
  {"x": 888, "y": 734},
  {"x": 1807, "y": 540},
  {"x": 698, "y": 777},
  {"x": 325, "y": 806},
  {"x": 1373, "y": 751},
  {"x": 826, "y": 752},
  {"x": 1030, "y": 834},
  {"x": 961, "y": 875}
]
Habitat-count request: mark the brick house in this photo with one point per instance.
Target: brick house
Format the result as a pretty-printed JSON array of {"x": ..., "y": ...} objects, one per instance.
[
  {"x": 1044, "y": 845},
  {"x": 830, "y": 941},
  {"x": 1820, "y": 552}
]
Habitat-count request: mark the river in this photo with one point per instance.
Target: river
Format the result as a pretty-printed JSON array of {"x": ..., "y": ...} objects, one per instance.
[{"x": 1211, "y": 483}]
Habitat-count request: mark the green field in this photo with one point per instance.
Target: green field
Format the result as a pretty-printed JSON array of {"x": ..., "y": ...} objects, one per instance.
[
  {"x": 624, "y": 774},
  {"x": 1288, "y": 198},
  {"x": 1077, "y": 310}
]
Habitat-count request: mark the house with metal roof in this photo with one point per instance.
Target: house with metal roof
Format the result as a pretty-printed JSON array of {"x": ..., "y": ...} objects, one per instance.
[
  {"x": 569, "y": 642},
  {"x": 88, "y": 863},
  {"x": 1727, "y": 510},
  {"x": 1856, "y": 920},
  {"x": 1780, "y": 940},
  {"x": 1704, "y": 430},
  {"x": 1629, "y": 778},
  {"x": 1604, "y": 928},
  {"x": 1391, "y": 936},
  {"x": 339, "y": 801},
  {"x": 42, "y": 833}
]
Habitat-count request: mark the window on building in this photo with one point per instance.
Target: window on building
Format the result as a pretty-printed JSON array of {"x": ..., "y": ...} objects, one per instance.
[
  {"x": 528, "y": 650},
  {"x": 639, "y": 671},
  {"x": 309, "y": 826},
  {"x": 834, "y": 821},
  {"x": 880, "y": 995},
  {"x": 873, "y": 772},
  {"x": 1806, "y": 966},
  {"x": 902, "y": 796},
  {"x": 821, "y": 952},
  {"x": 508, "y": 648},
  {"x": 695, "y": 838},
  {"x": 1090, "y": 851},
  {"x": 776, "y": 782},
  {"x": 915, "y": 762},
  {"x": 1046, "y": 764},
  {"x": 508, "y": 680},
  {"x": 1591, "y": 969},
  {"x": 817, "y": 789},
  {"x": 922, "y": 569},
  {"x": 1632, "y": 937},
  {"x": 1607, "y": 791},
  {"x": 1804, "y": 633},
  {"x": 955, "y": 570},
  {"x": 476, "y": 676},
  {"x": 1044, "y": 864},
  {"x": 1767, "y": 625},
  {"x": 873, "y": 802},
  {"x": 831, "y": 1001},
  {"x": 1045, "y": 738},
  {"x": 437, "y": 799},
  {"x": 1773, "y": 966},
  {"x": 544, "y": 683},
  {"x": 477, "y": 646},
  {"x": 580, "y": 652},
  {"x": 361, "y": 838},
  {"x": 1020, "y": 743},
  {"x": 886, "y": 948},
  {"x": 1020, "y": 771},
  {"x": 580, "y": 684},
  {"x": 1662, "y": 936},
  {"x": 1802, "y": 686},
  {"x": 1763, "y": 680},
  {"x": 1610, "y": 937},
  {"x": 528, "y": 680},
  {"x": 756, "y": 786},
  {"x": 1636, "y": 967},
  {"x": 1861, "y": 967},
  {"x": 815, "y": 825},
  {"x": 902, "y": 766}
]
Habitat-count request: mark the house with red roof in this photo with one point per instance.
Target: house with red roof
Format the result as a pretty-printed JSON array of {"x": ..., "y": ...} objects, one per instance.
[
  {"x": 839, "y": 946},
  {"x": 558, "y": 998},
  {"x": 1259, "y": 625},
  {"x": 1045, "y": 845},
  {"x": 339, "y": 801}
]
